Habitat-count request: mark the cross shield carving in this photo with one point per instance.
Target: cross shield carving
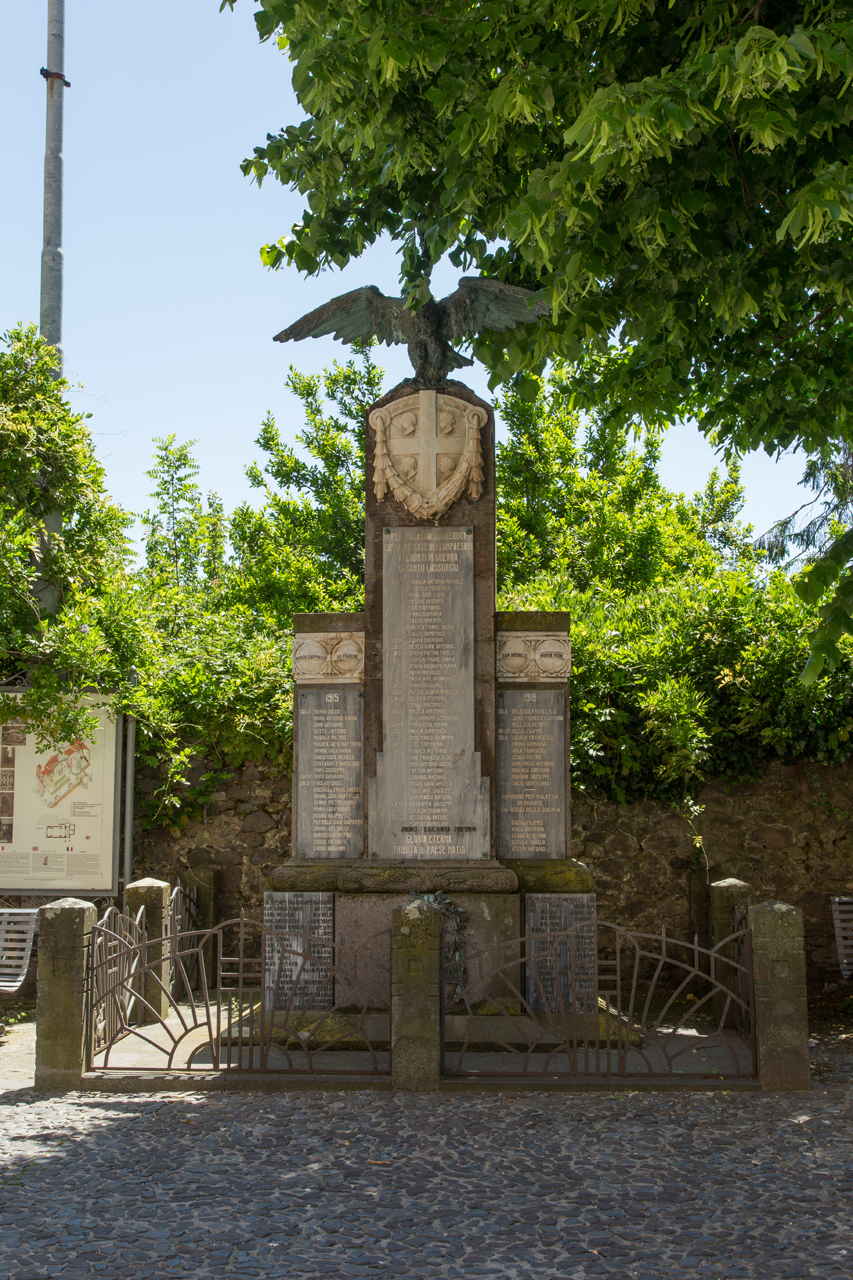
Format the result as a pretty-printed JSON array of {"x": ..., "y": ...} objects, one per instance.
[{"x": 428, "y": 452}]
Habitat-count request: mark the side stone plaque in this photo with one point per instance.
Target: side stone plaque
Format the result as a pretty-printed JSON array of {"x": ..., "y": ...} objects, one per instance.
[
  {"x": 298, "y": 954},
  {"x": 328, "y": 657},
  {"x": 533, "y": 656},
  {"x": 428, "y": 799},
  {"x": 531, "y": 773},
  {"x": 561, "y": 970},
  {"x": 329, "y": 791}
]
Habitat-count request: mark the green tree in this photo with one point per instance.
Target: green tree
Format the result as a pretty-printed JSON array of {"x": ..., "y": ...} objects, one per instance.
[
  {"x": 685, "y": 649},
  {"x": 47, "y": 465},
  {"x": 809, "y": 530},
  {"x": 676, "y": 180},
  {"x": 581, "y": 506},
  {"x": 215, "y": 671},
  {"x": 182, "y": 540},
  {"x": 213, "y": 674},
  {"x": 304, "y": 548},
  {"x": 60, "y": 534}
]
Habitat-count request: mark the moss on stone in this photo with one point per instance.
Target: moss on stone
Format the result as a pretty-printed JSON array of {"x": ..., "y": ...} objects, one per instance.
[{"x": 555, "y": 876}]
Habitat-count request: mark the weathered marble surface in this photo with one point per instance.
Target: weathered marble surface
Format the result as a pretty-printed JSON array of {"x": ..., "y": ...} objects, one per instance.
[
  {"x": 329, "y": 782},
  {"x": 297, "y": 961},
  {"x": 533, "y": 656},
  {"x": 404, "y": 878},
  {"x": 554, "y": 876},
  {"x": 428, "y": 452},
  {"x": 531, "y": 802},
  {"x": 479, "y": 516},
  {"x": 564, "y": 975},
  {"x": 363, "y": 924},
  {"x": 428, "y": 799},
  {"x": 328, "y": 657}
]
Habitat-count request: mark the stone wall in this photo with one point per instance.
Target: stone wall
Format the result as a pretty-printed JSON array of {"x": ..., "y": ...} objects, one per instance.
[
  {"x": 789, "y": 834},
  {"x": 244, "y": 832}
]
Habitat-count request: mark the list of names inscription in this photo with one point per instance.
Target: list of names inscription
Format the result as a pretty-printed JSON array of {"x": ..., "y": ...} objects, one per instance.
[
  {"x": 531, "y": 773},
  {"x": 428, "y": 799},
  {"x": 298, "y": 951},
  {"x": 330, "y": 796},
  {"x": 562, "y": 946}
]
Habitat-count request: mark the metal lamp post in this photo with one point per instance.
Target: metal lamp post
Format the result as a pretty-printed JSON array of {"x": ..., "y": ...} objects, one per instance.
[{"x": 50, "y": 315}]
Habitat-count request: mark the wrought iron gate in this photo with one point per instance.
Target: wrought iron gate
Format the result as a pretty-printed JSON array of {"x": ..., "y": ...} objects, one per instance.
[
  {"x": 589, "y": 1003},
  {"x": 600, "y": 1001},
  {"x": 238, "y": 997}
]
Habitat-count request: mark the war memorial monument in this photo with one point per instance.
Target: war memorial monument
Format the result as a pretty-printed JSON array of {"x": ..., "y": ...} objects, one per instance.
[
  {"x": 430, "y": 926},
  {"x": 431, "y": 733}
]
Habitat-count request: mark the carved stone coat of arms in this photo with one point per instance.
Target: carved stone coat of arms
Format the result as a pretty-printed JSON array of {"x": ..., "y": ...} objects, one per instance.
[{"x": 428, "y": 452}]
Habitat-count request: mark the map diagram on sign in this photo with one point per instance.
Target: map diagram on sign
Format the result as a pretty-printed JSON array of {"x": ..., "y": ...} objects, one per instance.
[{"x": 63, "y": 773}]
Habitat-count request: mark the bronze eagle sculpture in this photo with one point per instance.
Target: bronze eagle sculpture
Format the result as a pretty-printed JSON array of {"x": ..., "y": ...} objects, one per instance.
[{"x": 477, "y": 305}]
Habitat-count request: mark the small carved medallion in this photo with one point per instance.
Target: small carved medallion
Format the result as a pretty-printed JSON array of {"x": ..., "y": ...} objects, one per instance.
[
  {"x": 328, "y": 657},
  {"x": 533, "y": 656},
  {"x": 428, "y": 452}
]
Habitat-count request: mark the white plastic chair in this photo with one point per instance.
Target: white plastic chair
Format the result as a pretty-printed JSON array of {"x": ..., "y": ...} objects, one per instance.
[{"x": 17, "y": 930}]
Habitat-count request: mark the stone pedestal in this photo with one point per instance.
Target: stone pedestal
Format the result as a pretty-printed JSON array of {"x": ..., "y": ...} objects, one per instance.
[
  {"x": 431, "y": 746},
  {"x": 153, "y": 895},
  {"x": 415, "y": 968},
  {"x": 781, "y": 1004},
  {"x": 65, "y": 930},
  {"x": 725, "y": 897}
]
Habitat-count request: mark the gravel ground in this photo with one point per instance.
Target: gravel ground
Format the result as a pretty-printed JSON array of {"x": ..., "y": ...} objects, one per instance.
[{"x": 427, "y": 1187}]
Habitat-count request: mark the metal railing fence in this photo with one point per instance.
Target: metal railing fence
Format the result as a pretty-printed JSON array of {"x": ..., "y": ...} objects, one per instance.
[{"x": 598, "y": 1000}]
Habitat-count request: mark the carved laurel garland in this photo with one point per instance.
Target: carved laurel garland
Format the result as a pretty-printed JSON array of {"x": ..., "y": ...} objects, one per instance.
[{"x": 469, "y": 473}]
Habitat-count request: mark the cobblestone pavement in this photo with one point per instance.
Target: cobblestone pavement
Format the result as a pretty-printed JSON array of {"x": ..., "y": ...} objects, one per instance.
[{"x": 427, "y": 1187}]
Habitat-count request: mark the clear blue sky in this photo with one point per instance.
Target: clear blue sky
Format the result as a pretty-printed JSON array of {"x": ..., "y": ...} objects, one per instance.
[{"x": 169, "y": 314}]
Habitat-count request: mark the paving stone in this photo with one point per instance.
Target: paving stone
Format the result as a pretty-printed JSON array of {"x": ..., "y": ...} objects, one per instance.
[{"x": 447, "y": 1187}]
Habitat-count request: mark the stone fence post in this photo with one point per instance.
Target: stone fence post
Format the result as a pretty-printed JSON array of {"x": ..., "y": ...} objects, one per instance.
[
  {"x": 153, "y": 895},
  {"x": 781, "y": 1010},
  {"x": 206, "y": 880},
  {"x": 725, "y": 896},
  {"x": 65, "y": 935},
  {"x": 415, "y": 996}
]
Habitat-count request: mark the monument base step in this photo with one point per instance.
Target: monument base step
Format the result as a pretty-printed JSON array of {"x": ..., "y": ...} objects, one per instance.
[
  {"x": 284, "y": 1082},
  {"x": 479, "y": 1032},
  {"x": 225, "y": 1081},
  {"x": 553, "y": 875},
  {"x": 327, "y": 876}
]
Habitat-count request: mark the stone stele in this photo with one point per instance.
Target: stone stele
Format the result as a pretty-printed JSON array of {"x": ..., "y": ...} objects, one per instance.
[{"x": 428, "y": 799}]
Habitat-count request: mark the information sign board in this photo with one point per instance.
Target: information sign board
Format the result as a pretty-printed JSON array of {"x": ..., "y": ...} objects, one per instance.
[{"x": 59, "y": 812}]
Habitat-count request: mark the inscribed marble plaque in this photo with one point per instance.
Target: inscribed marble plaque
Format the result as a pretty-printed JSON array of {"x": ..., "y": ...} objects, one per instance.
[
  {"x": 328, "y": 657},
  {"x": 298, "y": 951},
  {"x": 330, "y": 795},
  {"x": 428, "y": 799},
  {"x": 531, "y": 773},
  {"x": 562, "y": 972},
  {"x": 524, "y": 656}
]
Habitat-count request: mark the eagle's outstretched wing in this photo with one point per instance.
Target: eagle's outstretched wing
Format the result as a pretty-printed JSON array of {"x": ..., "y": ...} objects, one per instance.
[
  {"x": 357, "y": 316},
  {"x": 478, "y": 305}
]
